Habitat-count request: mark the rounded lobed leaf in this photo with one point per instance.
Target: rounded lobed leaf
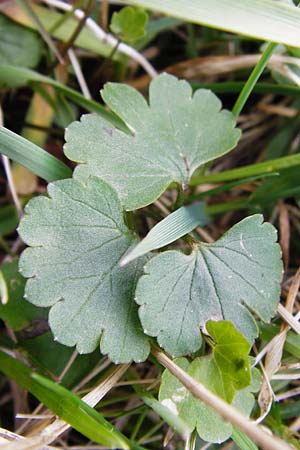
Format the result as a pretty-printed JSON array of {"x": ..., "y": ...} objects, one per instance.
[
  {"x": 77, "y": 237},
  {"x": 170, "y": 138},
  {"x": 231, "y": 279}
]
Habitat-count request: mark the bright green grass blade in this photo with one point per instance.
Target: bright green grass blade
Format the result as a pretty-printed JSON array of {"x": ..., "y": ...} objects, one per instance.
[
  {"x": 13, "y": 76},
  {"x": 262, "y": 19},
  {"x": 271, "y": 166},
  {"x": 32, "y": 157},
  {"x": 242, "y": 440},
  {"x": 253, "y": 78},
  {"x": 64, "y": 403},
  {"x": 174, "y": 226},
  {"x": 228, "y": 186}
]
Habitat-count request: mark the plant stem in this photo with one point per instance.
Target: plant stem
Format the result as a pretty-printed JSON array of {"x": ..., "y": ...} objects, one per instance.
[
  {"x": 252, "y": 80},
  {"x": 229, "y": 413}
]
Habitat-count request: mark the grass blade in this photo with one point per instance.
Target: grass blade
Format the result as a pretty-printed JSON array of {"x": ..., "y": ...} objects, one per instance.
[
  {"x": 261, "y": 19},
  {"x": 242, "y": 440},
  {"x": 13, "y": 76},
  {"x": 252, "y": 80},
  {"x": 270, "y": 166},
  {"x": 29, "y": 155},
  {"x": 174, "y": 226},
  {"x": 64, "y": 403}
]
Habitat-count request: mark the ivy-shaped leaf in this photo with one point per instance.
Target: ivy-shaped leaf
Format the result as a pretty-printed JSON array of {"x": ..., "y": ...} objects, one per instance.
[
  {"x": 195, "y": 414},
  {"x": 170, "y": 138},
  {"x": 237, "y": 275},
  {"x": 225, "y": 372},
  {"x": 230, "y": 357},
  {"x": 77, "y": 237}
]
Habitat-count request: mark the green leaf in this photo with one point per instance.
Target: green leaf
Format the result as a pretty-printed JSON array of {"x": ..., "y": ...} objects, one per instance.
[
  {"x": 18, "y": 45},
  {"x": 170, "y": 139},
  {"x": 129, "y": 23},
  {"x": 271, "y": 166},
  {"x": 16, "y": 312},
  {"x": 230, "y": 354},
  {"x": 64, "y": 403},
  {"x": 168, "y": 415},
  {"x": 174, "y": 226},
  {"x": 286, "y": 185},
  {"x": 195, "y": 414},
  {"x": 34, "y": 158},
  {"x": 237, "y": 275},
  {"x": 242, "y": 440},
  {"x": 11, "y": 76},
  {"x": 268, "y": 20},
  {"x": 77, "y": 237}
]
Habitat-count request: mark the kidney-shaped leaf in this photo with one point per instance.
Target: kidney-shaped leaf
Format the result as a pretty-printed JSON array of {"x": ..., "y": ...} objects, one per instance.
[
  {"x": 77, "y": 237},
  {"x": 237, "y": 275},
  {"x": 170, "y": 138}
]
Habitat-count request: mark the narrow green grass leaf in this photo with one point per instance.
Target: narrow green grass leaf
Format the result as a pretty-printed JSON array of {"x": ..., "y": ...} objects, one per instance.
[
  {"x": 177, "y": 224},
  {"x": 242, "y": 440},
  {"x": 262, "y": 19},
  {"x": 81, "y": 416},
  {"x": 32, "y": 157},
  {"x": 12, "y": 76},
  {"x": 253, "y": 78},
  {"x": 228, "y": 186},
  {"x": 270, "y": 166},
  {"x": 64, "y": 403}
]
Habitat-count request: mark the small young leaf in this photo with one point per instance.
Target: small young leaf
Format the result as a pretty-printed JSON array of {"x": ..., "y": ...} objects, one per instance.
[
  {"x": 170, "y": 138},
  {"x": 174, "y": 226},
  {"x": 230, "y": 354},
  {"x": 229, "y": 279},
  {"x": 77, "y": 237},
  {"x": 129, "y": 23},
  {"x": 191, "y": 411}
]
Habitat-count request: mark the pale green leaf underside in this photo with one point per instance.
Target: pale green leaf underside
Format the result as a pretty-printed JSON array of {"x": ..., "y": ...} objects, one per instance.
[
  {"x": 171, "y": 137},
  {"x": 77, "y": 237},
  {"x": 239, "y": 273},
  {"x": 195, "y": 414}
]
